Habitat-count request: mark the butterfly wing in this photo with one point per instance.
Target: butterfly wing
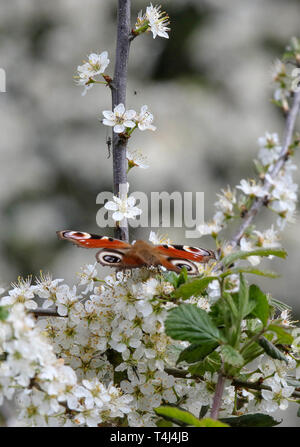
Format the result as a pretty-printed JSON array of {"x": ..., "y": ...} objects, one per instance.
[
  {"x": 119, "y": 259},
  {"x": 195, "y": 254},
  {"x": 176, "y": 257},
  {"x": 116, "y": 253},
  {"x": 87, "y": 240}
]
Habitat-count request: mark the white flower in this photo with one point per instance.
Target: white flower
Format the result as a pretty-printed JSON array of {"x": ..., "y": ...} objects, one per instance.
[
  {"x": 213, "y": 227},
  {"x": 88, "y": 276},
  {"x": 137, "y": 158},
  {"x": 156, "y": 239},
  {"x": 286, "y": 318},
  {"x": 269, "y": 140},
  {"x": 46, "y": 288},
  {"x": 22, "y": 292},
  {"x": 158, "y": 21},
  {"x": 97, "y": 64},
  {"x": 144, "y": 119},
  {"x": 66, "y": 299},
  {"x": 250, "y": 188},
  {"x": 246, "y": 245},
  {"x": 277, "y": 398},
  {"x": 123, "y": 208},
  {"x": 270, "y": 148},
  {"x": 226, "y": 201},
  {"x": 119, "y": 119},
  {"x": 213, "y": 290},
  {"x": 268, "y": 238}
]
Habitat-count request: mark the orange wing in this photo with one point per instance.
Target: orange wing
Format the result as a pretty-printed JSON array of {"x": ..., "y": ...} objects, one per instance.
[
  {"x": 87, "y": 240},
  {"x": 186, "y": 252}
]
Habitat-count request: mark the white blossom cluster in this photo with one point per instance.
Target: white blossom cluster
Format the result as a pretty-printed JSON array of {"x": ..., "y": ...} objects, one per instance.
[
  {"x": 154, "y": 20},
  {"x": 105, "y": 357},
  {"x": 121, "y": 119},
  {"x": 88, "y": 72},
  {"x": 47, "y": 390},
  {"x": 280, "y": 197}
]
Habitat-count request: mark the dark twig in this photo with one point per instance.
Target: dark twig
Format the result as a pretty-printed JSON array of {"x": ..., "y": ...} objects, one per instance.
[
  {"x": 182, "y": 374},
  {"x": 118, "y": 90},
  {"x": 259, "y": 201},
  {"x": 214, "y": 414},
  {"x": 39, "y": 312}
]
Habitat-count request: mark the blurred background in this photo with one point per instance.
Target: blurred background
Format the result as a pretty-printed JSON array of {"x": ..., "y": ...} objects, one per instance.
[{"x": 208, "y": 86}]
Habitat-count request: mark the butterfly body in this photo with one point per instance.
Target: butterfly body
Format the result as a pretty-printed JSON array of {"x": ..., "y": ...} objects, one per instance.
[{"x": 120, "y": 254}]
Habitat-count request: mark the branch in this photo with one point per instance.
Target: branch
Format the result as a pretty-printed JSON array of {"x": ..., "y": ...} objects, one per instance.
[
  {"x": 39, "y": 312},
  {"x": 218, "y": 396},
  {"x": 287, "y": 140},
  {"x": 118, "y": 89},
  {"x": 182, "y": 374},
  {"x": 257, "y": 386}
]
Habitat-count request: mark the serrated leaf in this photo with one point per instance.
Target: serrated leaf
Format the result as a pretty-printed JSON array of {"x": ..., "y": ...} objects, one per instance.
[
  {"x": 231, "y": 356},
  {"x": 262, "y": 308},
  {"x": 252, "y": 420},
  {"x": 188, "y": 322},
  {"x": 196, "y": 352},
  {"x": 211, "y": 363},
  {"x": 194, "y": 287},
  {"x": 233, "y": 257},
  {"x": 271, "y": 349}
]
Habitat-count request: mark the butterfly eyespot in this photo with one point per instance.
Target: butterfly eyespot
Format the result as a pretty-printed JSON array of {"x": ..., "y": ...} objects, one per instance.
[
  {"x": 182, "y": 263},
  {"x": 109, "y": 257},
  {"x": 77, "y": 234}
]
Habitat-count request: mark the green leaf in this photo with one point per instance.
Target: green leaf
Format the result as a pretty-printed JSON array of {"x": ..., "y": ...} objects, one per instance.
[
  {"x": 230, "y": 259},
  {"x": 178, "y": 416},
  {"x": 251, "y": 270},
  {"x": 164, "y": 423},
  {"x": 203, "y": 411},
  {"x": 183, "y": 417},
  {"x": 172, "y": 278},
  {"x": 3, "y": 313},
  {"x": 262, "y": 308},
  {"x": 175, "y": 279},
  {"x": 231, "y": 356},
  {"x": 243, "y": 298},
  {"x": 211, "y": 363},
  {"x": 188, "y": 322},
  {"x": 271, "y": 349},
  {"x": 252, "y": 420},
  {"x": 208, "y": 422},
  {"x": 194, "y": 287},
  {"x": 283, "y": 337},
  {"x": 196, "y": 352},
  {"x": 254, "y": 325}
]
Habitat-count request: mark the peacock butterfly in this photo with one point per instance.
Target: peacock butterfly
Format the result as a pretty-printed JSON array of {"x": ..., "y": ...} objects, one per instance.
[{"x": 116, "y": 253}]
